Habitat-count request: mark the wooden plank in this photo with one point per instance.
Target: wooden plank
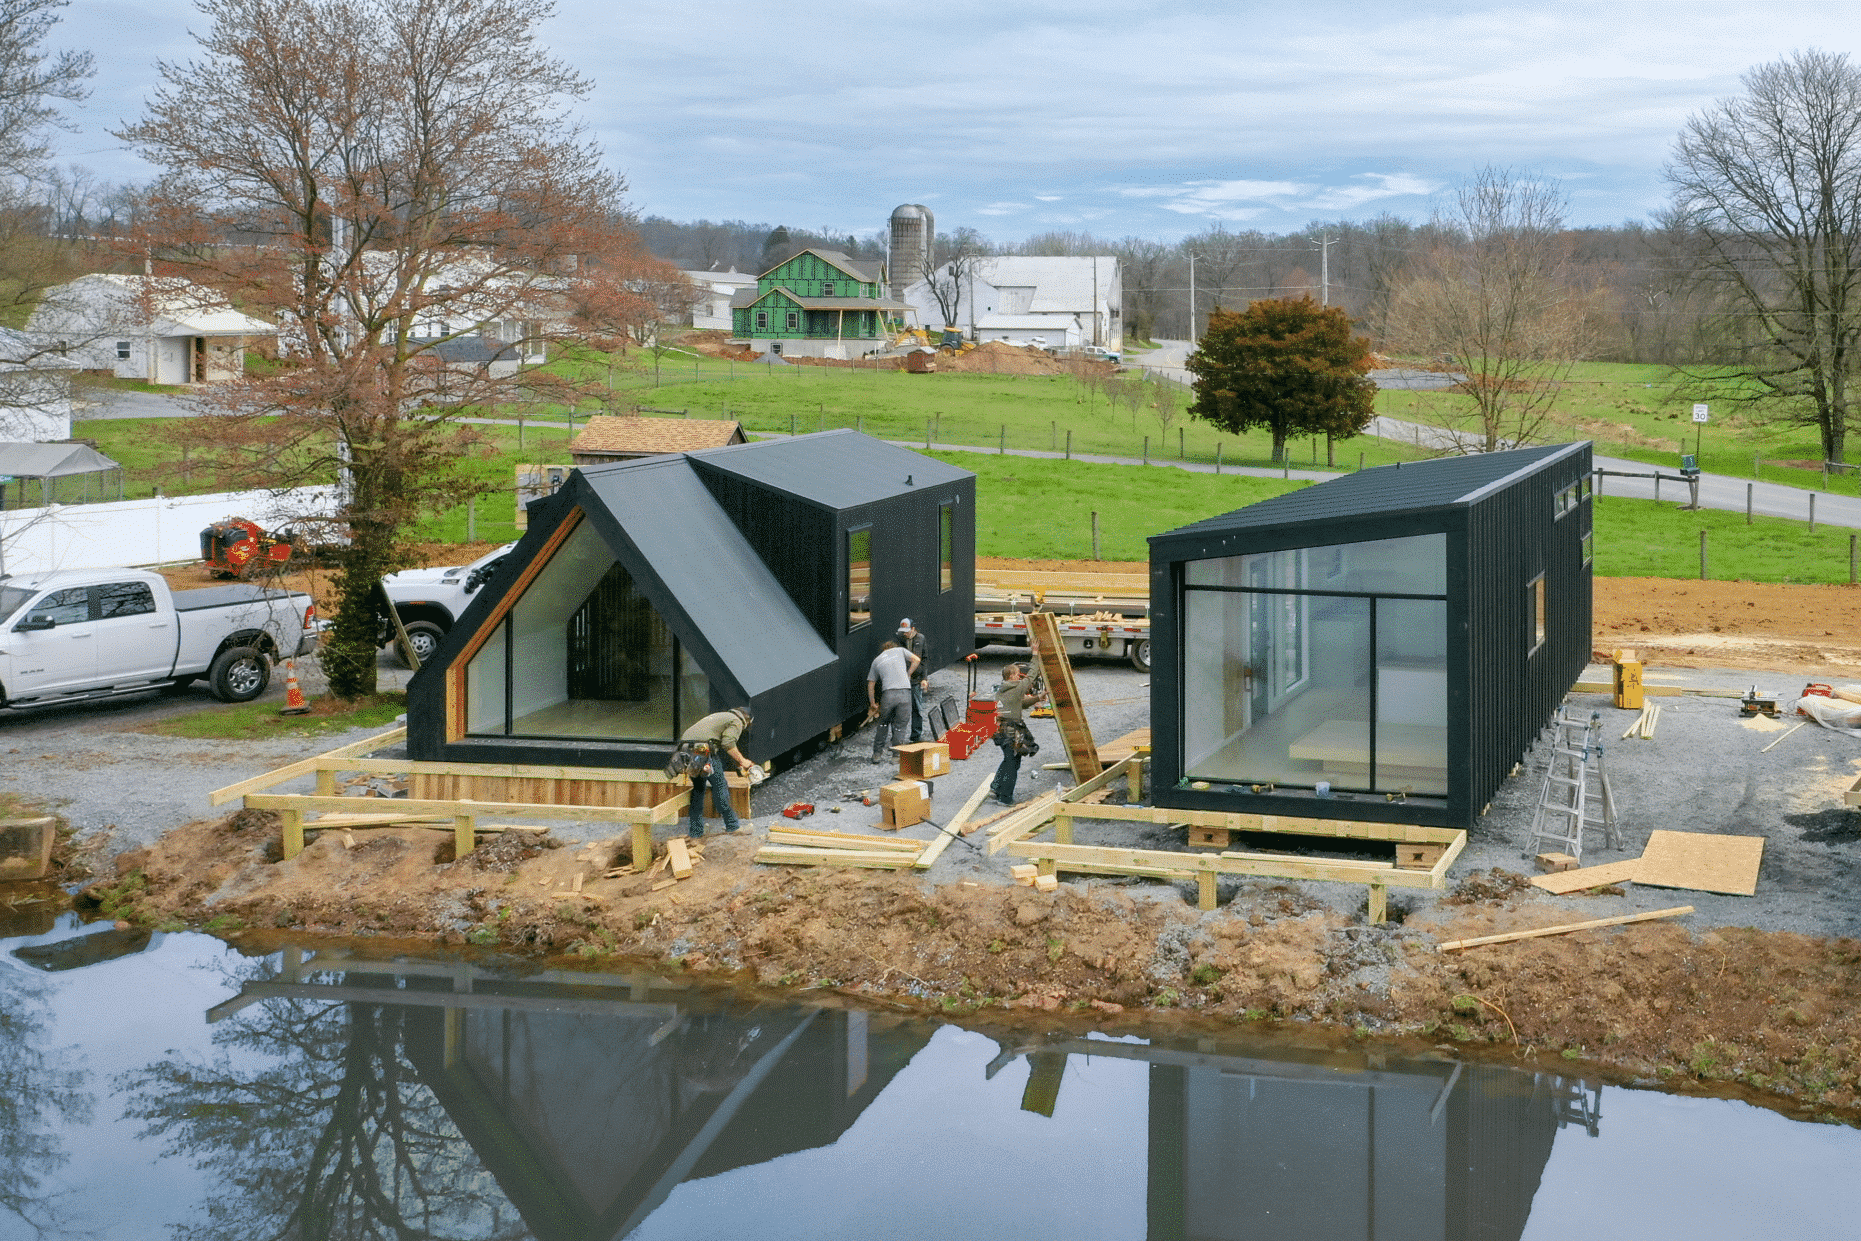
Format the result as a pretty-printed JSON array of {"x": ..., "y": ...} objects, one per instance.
[
  {"x": 1454, "y": 945},
  {"x": 681, "y": 857},
  {"x": 517, "y": 810},
  {"x": 303, "y": 767},
  {"x": 1069, "y": 710},
  {"x": 335, "y": 819},
  {"x": 1120, "y": 748},
  {"x": 843, "y": 840},
  {"x": 777, "y": 856},
  {"x": 932, "y": 851},
  {"x": 1122, "y": 861},
  {"x": 508, "y": 771},
  {"x": 1028, "y": 819},
  {"x": 1659, "y": 691},
  {"x": 1564, "y": 882},
  {"x": 1099, "y": 781},
  {"x": 1702, "y": 862},
  {"x": 1349, "y": 829}
]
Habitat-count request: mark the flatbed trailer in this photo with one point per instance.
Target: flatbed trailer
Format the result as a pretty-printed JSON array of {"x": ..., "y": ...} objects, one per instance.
[{"x": 1103, "y": 633}]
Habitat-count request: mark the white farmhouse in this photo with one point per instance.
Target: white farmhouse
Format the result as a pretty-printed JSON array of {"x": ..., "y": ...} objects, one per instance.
[
  {"x": 711, "y": 308},
  {"x": 159, "y": 329},
  {"x": 35, "y": 392},
  {"x": 1060, "y": 302}
]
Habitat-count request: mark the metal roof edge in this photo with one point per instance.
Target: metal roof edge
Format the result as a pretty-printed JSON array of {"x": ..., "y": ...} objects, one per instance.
[{"x": 1531, "y": 467}]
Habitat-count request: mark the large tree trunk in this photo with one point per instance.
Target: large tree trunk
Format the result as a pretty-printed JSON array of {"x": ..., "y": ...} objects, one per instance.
[{"x": 349, "y": 650}]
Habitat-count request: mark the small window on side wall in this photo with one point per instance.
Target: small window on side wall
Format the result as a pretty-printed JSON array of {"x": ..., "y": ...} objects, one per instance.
[
  {"x": 859, "y": 577},
  {"x": 1534, "y": 600},
  {"x": 946, "y": 535},
  {"x": 1589, "y": 547}
]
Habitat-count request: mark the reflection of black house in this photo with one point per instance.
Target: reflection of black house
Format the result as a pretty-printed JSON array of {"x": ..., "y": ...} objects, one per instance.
[
  {"x": 648, "y": 593},
  {"x": 1394, "y": 638}
]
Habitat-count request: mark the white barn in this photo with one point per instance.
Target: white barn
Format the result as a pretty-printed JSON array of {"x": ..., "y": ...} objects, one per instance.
[
  {"x": 159, "y": 329},
  {"x": 35, "y": 391},
  {"x": 1059, "y": 301},
  {"x": 711, "y": 308}
]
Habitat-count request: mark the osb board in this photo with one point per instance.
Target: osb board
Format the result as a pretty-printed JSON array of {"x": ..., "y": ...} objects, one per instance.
[
  {"x": 1121, "y": 748},
  {"x": 1701, "y": 862},
  {"x": 1584, "y": 878}
]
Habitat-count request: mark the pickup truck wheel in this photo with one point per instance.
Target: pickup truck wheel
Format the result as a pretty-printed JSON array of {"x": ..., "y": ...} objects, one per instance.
[
  {"x": 239, "y": 674},
  {"x": 1140, "y": 654},
  {"x": 424, "y": 637}
]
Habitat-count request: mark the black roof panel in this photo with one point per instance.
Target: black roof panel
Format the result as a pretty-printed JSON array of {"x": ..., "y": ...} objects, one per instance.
[
  {"x": 706, "y": 565},
  {"x": 834, "y": 469},
  {"x": 1441, "y": 483}
]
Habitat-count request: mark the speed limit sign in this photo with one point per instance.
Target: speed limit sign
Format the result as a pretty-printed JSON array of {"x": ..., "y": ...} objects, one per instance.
[{"x": 1701, "y": 413}]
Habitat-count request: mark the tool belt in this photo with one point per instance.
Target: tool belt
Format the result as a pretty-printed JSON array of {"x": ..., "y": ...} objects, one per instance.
[
  {"x": 691, "y": 758},
  {"x": 1015, "y": 737}
]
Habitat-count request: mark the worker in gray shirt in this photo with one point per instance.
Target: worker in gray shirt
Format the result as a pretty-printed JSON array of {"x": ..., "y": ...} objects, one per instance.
[
  {"x": 911, "y": 638},
  {"x": 888, "y": 696}
]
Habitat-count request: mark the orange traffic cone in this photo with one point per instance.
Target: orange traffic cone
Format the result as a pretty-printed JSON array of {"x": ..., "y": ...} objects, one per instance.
[{"x": 294, "y": 703}]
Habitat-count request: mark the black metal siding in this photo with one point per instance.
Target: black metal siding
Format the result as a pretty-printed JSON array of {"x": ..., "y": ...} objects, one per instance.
[{"x": 793, "y": 537}]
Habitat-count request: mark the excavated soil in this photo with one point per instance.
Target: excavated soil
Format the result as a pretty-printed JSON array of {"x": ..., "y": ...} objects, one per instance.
[{"x": 1774, "y": 1016}]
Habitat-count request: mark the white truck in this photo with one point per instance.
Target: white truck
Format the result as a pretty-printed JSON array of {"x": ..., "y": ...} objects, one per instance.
[
  {"x": 87, "y": 634},
  {"x": 430, "y": 600}
]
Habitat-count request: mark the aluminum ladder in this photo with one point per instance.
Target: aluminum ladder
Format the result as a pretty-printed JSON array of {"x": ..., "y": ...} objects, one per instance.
[{"x": 1576, "y": 792}]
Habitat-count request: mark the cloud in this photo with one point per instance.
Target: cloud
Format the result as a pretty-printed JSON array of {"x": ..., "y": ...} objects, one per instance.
[
  {"x": 1384, "y": 185},
  {"x": 1001, "y": 209},
  {"x": 1245, "y": 200},
  {"x": 1048, "y": 198}
]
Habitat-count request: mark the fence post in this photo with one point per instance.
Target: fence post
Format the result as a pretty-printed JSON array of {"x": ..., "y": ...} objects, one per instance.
[
  {"x": 1095, "y": 535},
  {"x": 1702, "y": 555},
  {"x": 1217, "y": 456},
  {"x": 1054, "y": 444},
  {"x": 859, "y": 423},
  {"x": 1853, "y": 565},
  {"x": 520, "y": 430},
  {"x": 1748, "y": 489},
  {"x": 1754, "y": 466},
  {"x": 1146, "y": 450},
  {"x": 1002, "y": 450},
  {"x": 1360, "y": 462},
  {"x": 471, "y": 519},
  {"x": 1069, "y": 443},
  {"x": 1812, "y": 512},
  {"x": 927, "y": 427},
  {"x": 1825, "y": 475},
  {"x": 791, "y": 425},
  {"x": 1657, "y": 486}
]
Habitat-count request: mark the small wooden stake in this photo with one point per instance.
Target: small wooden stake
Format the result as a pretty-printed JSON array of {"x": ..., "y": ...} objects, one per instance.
[{"x": 1455, "y": 944}]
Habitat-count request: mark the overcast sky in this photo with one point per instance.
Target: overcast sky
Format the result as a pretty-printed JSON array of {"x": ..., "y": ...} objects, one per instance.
[{"x": 1153, "y": 120}]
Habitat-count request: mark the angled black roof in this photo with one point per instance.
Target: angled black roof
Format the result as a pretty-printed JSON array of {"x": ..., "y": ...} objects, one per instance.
[
  {"x": 833, "y": 469},
  {"x": 1388, "y": 490},
  {"x": 732, "y": 601}
]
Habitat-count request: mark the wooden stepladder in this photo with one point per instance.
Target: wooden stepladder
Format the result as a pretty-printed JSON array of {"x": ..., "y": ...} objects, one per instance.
[
  {"x": 1069, "y": 712},
  {"x": 1576, "y": 791}
]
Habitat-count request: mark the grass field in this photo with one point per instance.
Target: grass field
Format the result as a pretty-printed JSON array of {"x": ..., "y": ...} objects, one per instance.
[
  {"x": 1645, "y": 413},
  {"x": 249, "y": 721}
]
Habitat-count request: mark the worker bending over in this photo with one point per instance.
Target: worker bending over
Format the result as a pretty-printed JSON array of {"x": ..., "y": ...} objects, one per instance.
[{"x": 888, "y": 696}]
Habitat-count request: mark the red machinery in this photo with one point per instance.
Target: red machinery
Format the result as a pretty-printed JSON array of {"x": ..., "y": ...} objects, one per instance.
[{"x": 239, "y": 548}]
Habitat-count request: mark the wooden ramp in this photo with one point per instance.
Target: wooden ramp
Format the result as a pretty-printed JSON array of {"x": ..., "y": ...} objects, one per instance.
[{"x": 1069, "y": 711}]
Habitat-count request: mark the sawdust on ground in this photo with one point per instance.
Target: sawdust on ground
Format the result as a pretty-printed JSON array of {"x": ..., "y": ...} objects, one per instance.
[{"x": 1772, "y": 1016}]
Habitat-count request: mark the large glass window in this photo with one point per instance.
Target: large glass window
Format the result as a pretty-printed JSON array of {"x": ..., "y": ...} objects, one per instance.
[
  {"x": 583, "y": 654},
  {"x": 1301, "y": 667},
  {"x": 859, "y": 577}
]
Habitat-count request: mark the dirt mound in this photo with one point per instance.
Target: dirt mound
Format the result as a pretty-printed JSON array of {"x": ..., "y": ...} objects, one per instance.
[{"x": 996, "y": 357}]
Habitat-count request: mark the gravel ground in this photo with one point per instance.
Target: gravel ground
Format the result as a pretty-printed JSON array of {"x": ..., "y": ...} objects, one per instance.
[{"x": 1702, "y": 772}]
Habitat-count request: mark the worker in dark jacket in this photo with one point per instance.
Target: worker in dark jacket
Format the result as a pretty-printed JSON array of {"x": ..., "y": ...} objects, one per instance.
[
  {"x": 1016, "y": 695},
  {"x": 912, "y": 639},
  {"x": 717, "y": 735}
]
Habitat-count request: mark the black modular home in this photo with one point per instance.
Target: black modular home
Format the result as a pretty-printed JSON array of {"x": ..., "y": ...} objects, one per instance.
[
  {"x": 1383, "y": 646},
  {"x": 649, "y": 593}
]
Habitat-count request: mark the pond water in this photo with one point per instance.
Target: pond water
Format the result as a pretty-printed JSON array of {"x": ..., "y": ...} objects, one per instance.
[{"x": 157, "y": 1086}]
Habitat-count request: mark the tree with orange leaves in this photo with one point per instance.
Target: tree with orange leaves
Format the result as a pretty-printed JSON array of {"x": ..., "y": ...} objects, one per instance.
[{"x": 400, "y": 185}]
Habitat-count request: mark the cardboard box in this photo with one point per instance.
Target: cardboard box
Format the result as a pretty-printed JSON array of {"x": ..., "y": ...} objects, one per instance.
[
  {"x": 903, "y": 803},
  {"x": 923, "y": 760}
]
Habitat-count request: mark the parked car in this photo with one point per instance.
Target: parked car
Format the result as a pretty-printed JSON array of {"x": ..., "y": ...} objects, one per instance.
[
  {"x": 430, "y": 600},
  {"x": 100, "y": 633}
]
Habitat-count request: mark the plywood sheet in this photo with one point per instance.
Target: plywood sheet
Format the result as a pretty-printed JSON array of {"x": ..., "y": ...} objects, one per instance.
[
  {"x": 1584, "y": 878},
  {"x": 1702, "y": 862}
]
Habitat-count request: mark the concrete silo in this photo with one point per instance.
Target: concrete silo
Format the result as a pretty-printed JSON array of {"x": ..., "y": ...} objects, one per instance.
[{"x": 914, "y": 239}]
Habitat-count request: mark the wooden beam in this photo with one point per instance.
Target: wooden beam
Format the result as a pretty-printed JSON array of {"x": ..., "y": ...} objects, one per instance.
[
  {"x": 1029, "y": 818},
  {"x": 797, "y": 856},
  {"x": 1069, "y": 711},
  {"x": 1348, "y": 829},
  {"x": 1101, "y": 780},
  {"x": 1453, "y": 945},
  {"x": 680, "y": 855},
  {"x": 931, "y": 852},
  {"x": 517, "y": 810},
  {"x": 303, "y": 767},
  {"x": 1120, "y": 861},
  {"x": 843, "y": 840},
  {"x": 514, "y": 771},
  {"x": 464, "y": 837}
]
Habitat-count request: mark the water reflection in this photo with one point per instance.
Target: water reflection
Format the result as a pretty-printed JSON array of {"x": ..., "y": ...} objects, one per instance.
[{"x": 333, "y": 1096}]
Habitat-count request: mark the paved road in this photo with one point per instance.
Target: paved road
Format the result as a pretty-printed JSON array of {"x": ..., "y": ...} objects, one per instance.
[{"x": 114, "y": 403}]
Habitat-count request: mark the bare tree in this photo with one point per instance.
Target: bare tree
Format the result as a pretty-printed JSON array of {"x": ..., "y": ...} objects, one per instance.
[
  {"x": 1502, "y": 301},
  {"x": 1768, "y": 186},
  {"x": 32, "y": 77},
  {"x": 950, "y": 272},
  {"x": 410, "y": 177}
]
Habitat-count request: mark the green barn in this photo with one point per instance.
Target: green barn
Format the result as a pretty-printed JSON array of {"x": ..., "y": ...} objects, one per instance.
[{"x": 818, "y": 304}]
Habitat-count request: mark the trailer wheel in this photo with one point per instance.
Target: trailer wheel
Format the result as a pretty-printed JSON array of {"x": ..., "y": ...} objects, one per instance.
[
  {"x": 1139, "y": 651},
  {"x": 239, "y": 674}
]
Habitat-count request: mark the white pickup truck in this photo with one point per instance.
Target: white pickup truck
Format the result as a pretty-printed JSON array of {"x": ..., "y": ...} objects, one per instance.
[
  {"x": 98, "y": 633},
  {"x": 430, "y": 600}
]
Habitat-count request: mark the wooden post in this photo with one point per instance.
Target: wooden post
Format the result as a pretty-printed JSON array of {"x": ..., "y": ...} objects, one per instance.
[
  {"x": 1379, "y": 904},
  {"x": 927, "y": 433},
  {"x": 1748, "y": 489},
  {"x": 791, "y": 425},
  {"x": 1360, "y": 462},
  {"x": 1095, "y": 535},
  {"x": 1853, "y": 565},
  {"x": 1657, "y": 486},
  {"x": 1062, "y": 829},
  {"x": 293, "y": 821},
  {"x": 1205, "y": 889},
  {"x": 1702, "y": 555},
  {"x": 1146, "y": 450},
  {"x": 520, "y": 430},
  {"x": 1069, "y": 443},
  {"x": 1812, "y": 512},
  {"x": 1217, "y": 456},
  {"x": 471, "y": 519},
  {"x": 1054, "y": 429},
  {"x": 326, "y": 784},
  {"x": 1134, "y": 784},
  {"x": 1002, "y": 450},
  {"x": 1182, "y": 450},
  {"x": 464, "y": 834},
  {"x": 642, "y": 846}
]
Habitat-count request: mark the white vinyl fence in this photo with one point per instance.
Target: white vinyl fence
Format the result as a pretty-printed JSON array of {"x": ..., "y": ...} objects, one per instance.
[{"x": 140, "y": 532}]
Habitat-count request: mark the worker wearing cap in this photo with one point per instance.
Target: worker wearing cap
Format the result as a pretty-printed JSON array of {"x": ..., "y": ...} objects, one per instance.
[
  {"x": 720, "y": 731},
  {"x": 888, "y": 696},
  {"x": 912, "y": 639},
  {"x": 1017, "y": 694}
]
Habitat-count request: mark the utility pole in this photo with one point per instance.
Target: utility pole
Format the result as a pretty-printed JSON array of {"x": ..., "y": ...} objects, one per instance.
[
  {"x": 1192, "y": 299},
  {"x": 1324, "y": 271}
]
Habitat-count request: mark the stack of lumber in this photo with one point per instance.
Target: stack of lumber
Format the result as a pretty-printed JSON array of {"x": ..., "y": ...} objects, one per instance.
[{"x": 800, "y": 846}]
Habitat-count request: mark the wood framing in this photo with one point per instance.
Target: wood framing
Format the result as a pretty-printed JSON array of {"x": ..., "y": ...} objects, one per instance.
[{"x": 1069, "y": 711}]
